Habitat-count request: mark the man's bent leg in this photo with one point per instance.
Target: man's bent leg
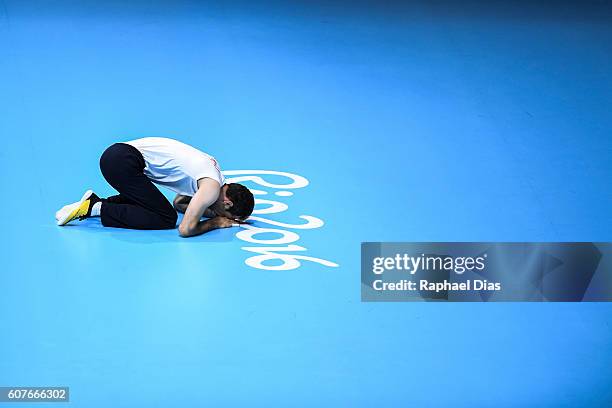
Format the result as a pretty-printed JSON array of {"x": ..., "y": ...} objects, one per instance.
[
  {"x": 133, "y": 217},
  {"x": 140, "y": 204},
  {"x": 119, "y": 199}
]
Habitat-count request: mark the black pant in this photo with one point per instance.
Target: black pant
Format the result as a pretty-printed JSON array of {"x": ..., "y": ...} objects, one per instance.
[{"x": 139, "y": 205}]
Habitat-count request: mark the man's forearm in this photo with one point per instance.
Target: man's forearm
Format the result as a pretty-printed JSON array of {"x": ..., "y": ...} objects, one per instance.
[
  {"x": 180, "y": 207},
  {"x": 181, "y": 202},
  {"x": 198, "y": 229}
]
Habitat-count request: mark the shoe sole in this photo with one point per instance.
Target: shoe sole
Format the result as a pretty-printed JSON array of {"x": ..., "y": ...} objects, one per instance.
[
  {"x": 61, "y": 212},
  {"x": 64, "y": 217}
]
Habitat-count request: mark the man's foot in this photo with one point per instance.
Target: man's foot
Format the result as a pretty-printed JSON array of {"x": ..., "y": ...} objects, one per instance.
[
  {"x": 65, "y": 210},
  {"x": 81, "y": 209}
]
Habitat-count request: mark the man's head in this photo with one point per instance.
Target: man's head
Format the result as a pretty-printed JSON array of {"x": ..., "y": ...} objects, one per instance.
[{"x": 235, "y": 202}]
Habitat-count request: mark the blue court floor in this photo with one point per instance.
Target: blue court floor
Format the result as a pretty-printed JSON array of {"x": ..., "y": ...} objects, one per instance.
[{"x": 413, "y": 121}]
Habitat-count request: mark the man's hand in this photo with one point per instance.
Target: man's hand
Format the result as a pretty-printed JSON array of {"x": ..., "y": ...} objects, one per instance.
[{"x": 223, "y": 222}]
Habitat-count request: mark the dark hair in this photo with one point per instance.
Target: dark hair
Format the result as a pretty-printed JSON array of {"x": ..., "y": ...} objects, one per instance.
[{"x": 242, "y": 199}]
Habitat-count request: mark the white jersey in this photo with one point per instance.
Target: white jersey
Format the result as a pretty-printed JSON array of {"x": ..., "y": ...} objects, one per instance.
[{"x": 176, "y": 165}]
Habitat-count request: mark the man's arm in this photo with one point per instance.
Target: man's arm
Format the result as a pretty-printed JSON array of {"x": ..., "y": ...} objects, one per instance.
[
  {"x": 181, "y": 202},
  {"x": 207, "y": 194},
  {"x": 203, "y": 227}
]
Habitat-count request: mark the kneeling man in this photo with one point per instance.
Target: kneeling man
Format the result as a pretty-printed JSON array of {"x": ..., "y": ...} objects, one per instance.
[{"x": 132, "y": 167}]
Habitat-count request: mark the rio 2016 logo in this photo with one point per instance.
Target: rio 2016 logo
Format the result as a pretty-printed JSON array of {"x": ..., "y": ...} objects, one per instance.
[{"x": 282, "y": 248}]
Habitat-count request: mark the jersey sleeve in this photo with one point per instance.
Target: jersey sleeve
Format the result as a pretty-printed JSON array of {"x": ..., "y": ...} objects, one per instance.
[{"x": 209, "y": 167}]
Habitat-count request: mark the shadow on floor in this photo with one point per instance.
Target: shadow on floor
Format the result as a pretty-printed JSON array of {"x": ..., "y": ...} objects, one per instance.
[{"x": 93, "y": 226}]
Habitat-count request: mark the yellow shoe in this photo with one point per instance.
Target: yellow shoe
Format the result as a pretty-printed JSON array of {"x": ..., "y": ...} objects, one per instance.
[
  {"x": 62, "y": 212},
  {"x": 81, "y": 209}
]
